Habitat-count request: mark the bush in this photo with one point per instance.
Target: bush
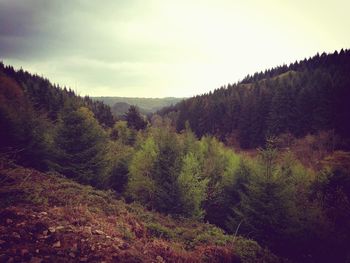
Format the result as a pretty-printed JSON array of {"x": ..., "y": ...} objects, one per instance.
[{"x": 159, "y": 231}]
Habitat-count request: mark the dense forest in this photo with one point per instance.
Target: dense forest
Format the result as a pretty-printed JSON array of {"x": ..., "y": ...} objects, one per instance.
[
  {"x": 176, "y": 162},
  {"x": 303, "y": 98}
]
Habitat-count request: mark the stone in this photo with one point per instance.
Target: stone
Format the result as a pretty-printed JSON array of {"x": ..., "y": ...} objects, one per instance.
[
  {"x": 57, "y": 244},
  {"x": 98, "y": 232},
  {"x": 160, "y": 259},
  {"x": 59, "y": 228}
]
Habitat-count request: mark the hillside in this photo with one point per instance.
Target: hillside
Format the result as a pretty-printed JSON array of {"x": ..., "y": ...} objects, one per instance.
[
  {"x": 47, "y": 218},
  {"x": 306, "y": 97},
  {"x": 47, "y": 97},
  {"x": 146, "y": 105}
]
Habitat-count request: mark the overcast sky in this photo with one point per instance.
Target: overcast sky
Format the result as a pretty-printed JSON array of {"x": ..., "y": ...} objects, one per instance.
[{"x": 159, "y": 48}]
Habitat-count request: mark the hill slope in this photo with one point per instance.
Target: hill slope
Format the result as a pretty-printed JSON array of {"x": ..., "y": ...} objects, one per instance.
[
  {"x": 305, "y": 97},
  {"x": 146, "y": 105},
  {"x": 47, "y": 218}
]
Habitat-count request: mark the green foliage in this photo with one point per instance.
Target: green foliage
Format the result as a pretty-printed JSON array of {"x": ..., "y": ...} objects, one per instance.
[
  {"x": 134, "y": 119},
  {"x": 80, "y": 148},
  {"x": 249, "y": 251},
  {"x": 142, "y": 186},
  {"x": 305, "y": 97},
  {"x": 192, "y": 186},
  {"x": 122, "y": 133},
  {"x": 22, "y": 129},
  {"x": 166, "y": 172},
  {"x": 212, "y": 235},
  {"x": 159, "y": 231}
]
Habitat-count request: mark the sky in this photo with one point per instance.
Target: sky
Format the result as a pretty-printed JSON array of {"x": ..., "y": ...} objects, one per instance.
[{"x": 162, "y": 48}]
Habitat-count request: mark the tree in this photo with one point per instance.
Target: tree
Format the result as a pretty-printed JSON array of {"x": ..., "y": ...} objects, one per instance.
[
  {"x": 22, "y": 129},
  {"x": 141, "y": 185},
  {"x": 166, "y": 172},
  {"x": 192, "y": 187},
  {"x": 134, "y": 119},
  {"x": 80, "y": 147},
  {"x": 122, "y": 133}
]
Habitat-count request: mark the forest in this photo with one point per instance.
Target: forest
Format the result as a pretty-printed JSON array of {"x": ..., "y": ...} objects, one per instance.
[
  {"x": 264, "y": 159},
  {"x": 303, "y": 98}
]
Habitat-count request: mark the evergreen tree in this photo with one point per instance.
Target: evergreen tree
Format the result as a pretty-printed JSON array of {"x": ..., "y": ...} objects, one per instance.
[
  {"x": 142, "y": 185},
  {"x": 192, "y": 187},
  {"x": 81, "y": 147},
  {"x": 134, "y": 119}
]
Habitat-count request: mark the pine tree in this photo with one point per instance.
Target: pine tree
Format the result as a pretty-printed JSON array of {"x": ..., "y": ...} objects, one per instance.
[
  {"x": 81, "y": 147},
  {"x": 192, "y": 187},
  {"x": 134, "y": 119}
]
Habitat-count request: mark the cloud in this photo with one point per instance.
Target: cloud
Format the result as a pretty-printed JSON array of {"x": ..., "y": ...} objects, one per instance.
[{"x": 163, "y": 48}]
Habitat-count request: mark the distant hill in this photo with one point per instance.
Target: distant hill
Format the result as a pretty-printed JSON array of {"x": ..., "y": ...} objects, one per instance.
[
  {"x": 120, "y": 105},
  {"x": 306, "y": 97}
]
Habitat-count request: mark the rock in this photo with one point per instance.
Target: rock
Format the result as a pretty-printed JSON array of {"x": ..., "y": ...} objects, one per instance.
[
  {"x": 57, "y": 244},
  {"x": 71, "y": 254},
  {"x": 83, "y": 259},
  {"x": 9, "y": 221},
  {"x": 160, "y": 259},
  {"x": 43, "y": 213},
  {"x": 59, "y": 228},
  {"x": 16, "y": 235},
  {"x": 45, "y": 233},
  {"x": 98, "y": 232},
  {"x": 52, "y": 229},
  {"x": 21, "y": 224},
  {"x": 37, "y": 251}
]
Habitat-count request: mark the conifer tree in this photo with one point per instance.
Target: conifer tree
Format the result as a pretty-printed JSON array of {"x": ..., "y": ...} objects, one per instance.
[
  {"x": 134, "y": 119},
  {"x": 81, "y": 147}
]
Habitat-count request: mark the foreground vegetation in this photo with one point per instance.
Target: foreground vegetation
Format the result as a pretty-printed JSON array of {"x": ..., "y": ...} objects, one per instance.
[{"x": 48, "y": 218}]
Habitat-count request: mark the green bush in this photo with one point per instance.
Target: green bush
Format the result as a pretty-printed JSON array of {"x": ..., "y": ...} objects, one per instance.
[{"x": 157, "y": 230}]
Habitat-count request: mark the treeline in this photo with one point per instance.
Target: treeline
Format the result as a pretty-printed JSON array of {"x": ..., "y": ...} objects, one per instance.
[
  {"x": 51, "y": 99},
  {"x": 302, "y": 98},
  {"x": 31, "y": 110}
]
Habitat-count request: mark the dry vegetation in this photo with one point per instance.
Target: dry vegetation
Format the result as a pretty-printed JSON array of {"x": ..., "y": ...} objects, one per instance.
[{"x": 47, "y": 218}]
